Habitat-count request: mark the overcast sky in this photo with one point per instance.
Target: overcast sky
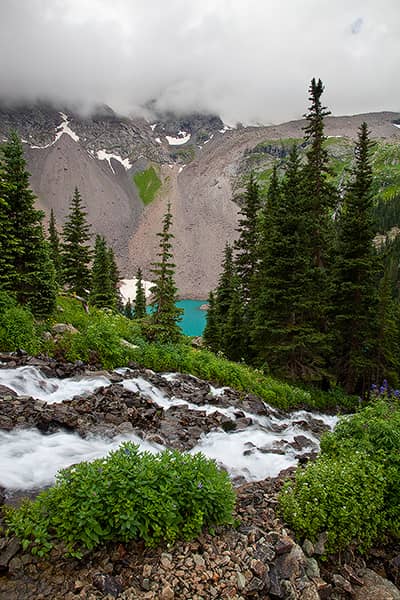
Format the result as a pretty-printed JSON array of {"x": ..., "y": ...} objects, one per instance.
[{"x": 248, "y": 60}]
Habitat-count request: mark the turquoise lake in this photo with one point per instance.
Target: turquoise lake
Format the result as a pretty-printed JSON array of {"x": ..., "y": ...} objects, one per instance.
[{"x": 194, "y": 319}]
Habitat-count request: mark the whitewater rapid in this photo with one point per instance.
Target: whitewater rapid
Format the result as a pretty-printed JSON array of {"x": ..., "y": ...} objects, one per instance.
[{"x": 30, "y": 459}]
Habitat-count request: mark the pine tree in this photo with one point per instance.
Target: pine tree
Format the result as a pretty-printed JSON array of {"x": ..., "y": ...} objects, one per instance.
[
  {"x": 165, "y": 315},
  {"x": 211, "y": 334},
  {"x": 76, "y": 254},
  {"x": 246, "y": 260},
  {"x": 8, "y": 241},
  {"x": 31, "y": 276},
  {"x": 140, "y": 298},
  {"x": 54, "y": 243},
  {"x": 281, "y": 331},
  {"x": 356, "y": 275},
  {"x": 320, "y": 202},
  {"x": 224, "y": 289},
  {"x": 102, "y": 292},
  {"x": 115, "y": 278},
  {"x": 386, "y": 345},
  {"x": 246, "y": 254},
  {"x": 128, "y": 311},
  {"x": 233, "y": 342}
]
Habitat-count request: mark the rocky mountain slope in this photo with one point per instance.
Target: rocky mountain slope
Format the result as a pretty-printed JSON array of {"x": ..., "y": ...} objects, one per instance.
[{"x": 199, "y": 163}]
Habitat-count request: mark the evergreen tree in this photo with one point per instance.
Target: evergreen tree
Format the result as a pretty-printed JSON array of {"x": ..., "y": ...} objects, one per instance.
[
  {"x": 8, "y": 240},
  {"x": 386, "y": 346},
  {"x": 128, "y": 311},
  {"x": 246, "y": 260},
  {"x": 54, "y": 244},
  {"x": 246, "y": 248},
  {"x": 356, "y": 275},
  {"x": 31, "y": 275},
  {"x": 115, "y": 278},
  {"x": 233, "y": 343},
  {"x": 140, "y": 298},
  {"x": 76, "y": 254},
  {"x": 320, "y": 202},
  {"x": 281, "y": 331},
  {"x": 211, "y": 333},
  {"x": 102, "y": 293},
  {"x": 223, "y": 292},
  {"x": 165, "y": 315}
]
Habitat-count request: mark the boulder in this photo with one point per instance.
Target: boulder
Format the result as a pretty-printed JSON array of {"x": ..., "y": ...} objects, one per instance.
[
  {"x": 61, "y": 328},
  {"x": 375, "y": 587}
]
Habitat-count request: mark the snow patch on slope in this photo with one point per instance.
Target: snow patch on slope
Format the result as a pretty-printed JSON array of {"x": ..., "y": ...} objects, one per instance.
[
  {"x": 104, "y": 155},
  {"x": 128, "y": 289},
  {"x": 182, "y": 138},
  {"x": 60, "y": 129}
]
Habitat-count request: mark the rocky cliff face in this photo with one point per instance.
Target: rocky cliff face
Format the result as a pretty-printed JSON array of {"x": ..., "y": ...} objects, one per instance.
[{"x": 199, "y": 161}]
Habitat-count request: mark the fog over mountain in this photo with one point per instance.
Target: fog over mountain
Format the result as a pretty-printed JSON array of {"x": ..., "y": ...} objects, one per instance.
[{"x": 248, "y": 61}]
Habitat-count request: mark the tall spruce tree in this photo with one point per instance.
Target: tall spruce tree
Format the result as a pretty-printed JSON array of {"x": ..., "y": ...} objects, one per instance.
[
  {"x": 356, "y": 276},
  {"x": 165, "y": 315},
  {"x": 54, "y": 244},
  {"x": 233, "y": 339},
  {"x": 76, "y": 253},
  {"x": 281, "y": 330},
  {"x": 115, "y": 278},
  {"x": 8, "y": 241},
  {"x": 222, "y": 298},
  {"x": 211, "y": 334},
  {"x": 32, "y": 275},
  {"x": 320, "y": 203},
  {"x": 102, "y": 293},
  {"x": 140, "y": 298},
  {"x": 246, "y": 260}
]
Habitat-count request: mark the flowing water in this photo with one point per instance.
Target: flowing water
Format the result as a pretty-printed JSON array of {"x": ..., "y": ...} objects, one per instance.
[{"x": 30, "y": 459}]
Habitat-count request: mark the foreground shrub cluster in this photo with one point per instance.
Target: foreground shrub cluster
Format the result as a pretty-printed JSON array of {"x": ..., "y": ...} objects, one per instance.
[
  {"x": 128, "y": 495},
  {"x": 353, "y": 490}
]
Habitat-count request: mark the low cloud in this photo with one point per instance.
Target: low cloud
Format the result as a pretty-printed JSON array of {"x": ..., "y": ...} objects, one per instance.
[{"x": 248, "y": 61}]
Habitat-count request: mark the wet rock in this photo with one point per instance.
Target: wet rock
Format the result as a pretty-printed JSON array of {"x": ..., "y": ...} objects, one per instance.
[
  {"x": 308, "y": 548},
  {"x": 61, "y": 328},
  {"x": 375, "y": 587},
  {"x": 6, "y": 391},
  {"x": 8, "y": 551},
  {"x": 107, "y": 584},
  {"x": 341, "y": 584}
]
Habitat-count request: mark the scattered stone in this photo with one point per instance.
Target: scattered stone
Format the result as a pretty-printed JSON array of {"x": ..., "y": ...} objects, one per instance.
[
  {"x": 61, "y": 328},
  {"x": 10, "y": 549},
  {"x": 375, "y": 587},
  {"x": 107, "y": 584}
]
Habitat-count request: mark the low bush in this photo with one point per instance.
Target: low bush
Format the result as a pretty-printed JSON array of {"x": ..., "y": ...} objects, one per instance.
[
  {"x": 17, "y": 328},
  {"x": 128, "y": 495},
  {"x": 343, "y": 496},
  {"x": 209, "y": 366},
  {"x": 353, "y": 490}
]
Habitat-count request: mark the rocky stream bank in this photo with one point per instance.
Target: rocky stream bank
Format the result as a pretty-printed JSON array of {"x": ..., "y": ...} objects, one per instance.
[{"x": 259, "y": 558}]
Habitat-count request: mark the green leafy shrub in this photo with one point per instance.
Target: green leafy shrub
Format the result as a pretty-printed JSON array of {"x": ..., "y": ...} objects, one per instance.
[
  {"x": 353, "y": 490},
  {"x": 207, "y": 365},
  {"x": 17, "y": 330},
  {"x": 128, "y": 495},
  {"x": 343, "y": 496}
]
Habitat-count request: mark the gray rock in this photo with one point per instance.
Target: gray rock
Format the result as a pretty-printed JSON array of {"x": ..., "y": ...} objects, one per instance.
[
  {"x": 8, "y": 552},
  {"x": 312, "y": 568},
  {"x": 63, "y": 328},
  {"x": 375, "y": 587}
]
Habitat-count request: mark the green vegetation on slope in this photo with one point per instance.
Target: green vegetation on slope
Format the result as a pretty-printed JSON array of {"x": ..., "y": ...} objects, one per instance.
[
  {"x": 385, "y": 160},
  {"x": 128, "y": 495},
  {"x": 148, "y": 183},
  {"x": 352, "y": 491}
]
